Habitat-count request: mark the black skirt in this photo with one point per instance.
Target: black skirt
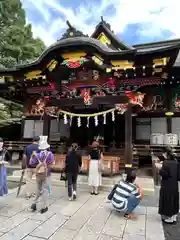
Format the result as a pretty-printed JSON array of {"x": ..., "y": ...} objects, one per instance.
[{"x": 168, "y": 203}]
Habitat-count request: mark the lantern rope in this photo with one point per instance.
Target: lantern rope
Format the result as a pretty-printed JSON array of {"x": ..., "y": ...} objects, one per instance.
[{"x": 86, "y": 115}]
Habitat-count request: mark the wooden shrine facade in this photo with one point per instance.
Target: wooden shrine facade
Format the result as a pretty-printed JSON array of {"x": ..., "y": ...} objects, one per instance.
[{"x": 98, "y": 78}]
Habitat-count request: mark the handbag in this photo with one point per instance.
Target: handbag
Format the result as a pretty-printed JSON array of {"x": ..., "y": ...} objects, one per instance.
[
  {"x": 110, "y": 196},
  {"x": 63, "y": 176}
]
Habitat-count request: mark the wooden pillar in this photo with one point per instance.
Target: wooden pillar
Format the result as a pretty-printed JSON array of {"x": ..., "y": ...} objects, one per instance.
[
  {"x": 128, "y": 139},
  {"x": 46, "y": 125},
  {"x": 169, "y": 124},
  {"x": 22, "y": 129},
  {"x": 169, "y": 108}
]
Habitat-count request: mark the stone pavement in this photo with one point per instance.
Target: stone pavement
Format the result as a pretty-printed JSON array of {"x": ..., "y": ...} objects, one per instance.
[{"x": 89, "y": 217}]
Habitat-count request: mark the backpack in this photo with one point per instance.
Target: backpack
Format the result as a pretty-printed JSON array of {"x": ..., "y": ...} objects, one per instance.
[{"x": 41, "y": 168}]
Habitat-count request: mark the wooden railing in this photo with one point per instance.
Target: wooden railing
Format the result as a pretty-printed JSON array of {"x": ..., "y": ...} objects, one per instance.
[
  {"x": 139, "y": 150},
  {"x": 111, "y": 165}
]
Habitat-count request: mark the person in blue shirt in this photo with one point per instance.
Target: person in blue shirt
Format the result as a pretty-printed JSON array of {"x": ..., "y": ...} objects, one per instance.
[{"x": 30, "y": 170}]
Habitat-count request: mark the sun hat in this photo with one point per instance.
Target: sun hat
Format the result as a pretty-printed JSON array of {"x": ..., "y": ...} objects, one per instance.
[{"x": 43, "y": 144}]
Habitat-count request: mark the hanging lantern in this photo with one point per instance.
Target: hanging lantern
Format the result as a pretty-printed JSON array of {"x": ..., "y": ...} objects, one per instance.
[
  {"x": 78, "y": 121},
  {"x": 96, "y": 120}
]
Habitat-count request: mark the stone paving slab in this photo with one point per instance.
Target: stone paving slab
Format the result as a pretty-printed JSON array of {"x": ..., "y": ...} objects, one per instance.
[{"x": 87, "y": 218}]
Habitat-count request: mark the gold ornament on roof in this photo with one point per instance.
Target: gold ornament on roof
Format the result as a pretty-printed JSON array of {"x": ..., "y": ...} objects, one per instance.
[
  {"x": 33, "y": 74},
  {"x": 74, "y": 56},
  {"x": 52, "y": 64},
  {"x": 104, "y": 39},
  {"x": 122, "y": 65}
]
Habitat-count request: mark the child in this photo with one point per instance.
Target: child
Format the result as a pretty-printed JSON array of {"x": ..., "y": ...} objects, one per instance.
[{"x": 43, "y": 160}]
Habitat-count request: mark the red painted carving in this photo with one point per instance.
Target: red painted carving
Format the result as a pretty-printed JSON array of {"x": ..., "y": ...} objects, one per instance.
[
  {"x": 85, "y": 93},
  {"x": 135, "y": 98}
]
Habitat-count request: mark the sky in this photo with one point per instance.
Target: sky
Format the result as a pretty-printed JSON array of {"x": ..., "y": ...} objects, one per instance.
[{"x": 133, "y": 21}]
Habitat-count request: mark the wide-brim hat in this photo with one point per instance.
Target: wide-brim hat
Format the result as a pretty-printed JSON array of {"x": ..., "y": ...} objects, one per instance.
[{"x": 43, "y": 144}]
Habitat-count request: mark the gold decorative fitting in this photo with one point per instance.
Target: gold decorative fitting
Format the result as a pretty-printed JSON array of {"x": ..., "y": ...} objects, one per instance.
[
  {"x": 52, "y": 64},
  {"x": 128, "y": 165},
  {"x": 73, "y": 55},
  {"x": 164, "y": 75},
  {"x": 157, "y": 70},
  {"x": 103, "y": 39},
  {"x": 160, "y": 61},
  {"x": 108, "y": 70},
  {"x": 169, "y": 114},
  {"x": 97, "y": 59},
  {"x": 122, "y": 65},
  {"x": 9, "y": 78},
  {"x": 33, "y": 74}
]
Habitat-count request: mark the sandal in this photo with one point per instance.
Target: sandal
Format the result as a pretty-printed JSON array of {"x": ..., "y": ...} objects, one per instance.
[{"x": 130, "y": 216}]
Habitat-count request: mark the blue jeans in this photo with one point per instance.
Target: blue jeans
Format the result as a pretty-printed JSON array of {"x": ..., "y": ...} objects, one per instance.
[{"x": 133, "y": 202}]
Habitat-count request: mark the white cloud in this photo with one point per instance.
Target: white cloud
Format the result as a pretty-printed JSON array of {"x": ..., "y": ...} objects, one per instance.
[{"x": 157, "y": 15}]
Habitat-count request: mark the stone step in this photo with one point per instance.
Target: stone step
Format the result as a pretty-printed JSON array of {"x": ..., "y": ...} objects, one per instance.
[{"x": 107, "y": 182}]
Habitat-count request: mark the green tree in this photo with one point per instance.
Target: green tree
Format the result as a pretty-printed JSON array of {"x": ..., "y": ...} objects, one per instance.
[{"x": 17, "y": 45}]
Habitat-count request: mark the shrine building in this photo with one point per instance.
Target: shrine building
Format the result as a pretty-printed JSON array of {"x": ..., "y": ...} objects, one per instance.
[{"x": 84, "y": 88}]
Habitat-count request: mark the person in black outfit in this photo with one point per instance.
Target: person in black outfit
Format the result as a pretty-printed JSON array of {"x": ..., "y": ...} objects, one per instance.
[
  {"x": 72, "y": 167},
  {"x": 169, "y": 192}
]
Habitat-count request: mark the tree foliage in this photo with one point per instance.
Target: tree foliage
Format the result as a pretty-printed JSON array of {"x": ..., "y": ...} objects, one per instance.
[
  {"x": 10, "y": 112},
  {"x": 17, "y": 45}
]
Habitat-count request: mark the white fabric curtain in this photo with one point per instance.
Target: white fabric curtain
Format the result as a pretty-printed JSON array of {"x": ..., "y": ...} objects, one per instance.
[
  {"x": 33, "y": 128},
  {"x": 159, "y": 125},
  {"x": 143, "y": 129},
  {"x": 176, "y": 126}
]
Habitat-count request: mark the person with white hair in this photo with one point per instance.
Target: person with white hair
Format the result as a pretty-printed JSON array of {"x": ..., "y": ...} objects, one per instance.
[{"x": 43, "y": 161}]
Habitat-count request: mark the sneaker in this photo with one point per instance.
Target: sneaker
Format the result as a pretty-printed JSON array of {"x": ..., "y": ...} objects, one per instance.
[
  {"x": 74, "y": 195},
  {"x": 27, "y": 196},
  {"x": 43, "y": 210},
  {"x": 70, "y": 199},
  {"x": 33, "y": 207}
]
